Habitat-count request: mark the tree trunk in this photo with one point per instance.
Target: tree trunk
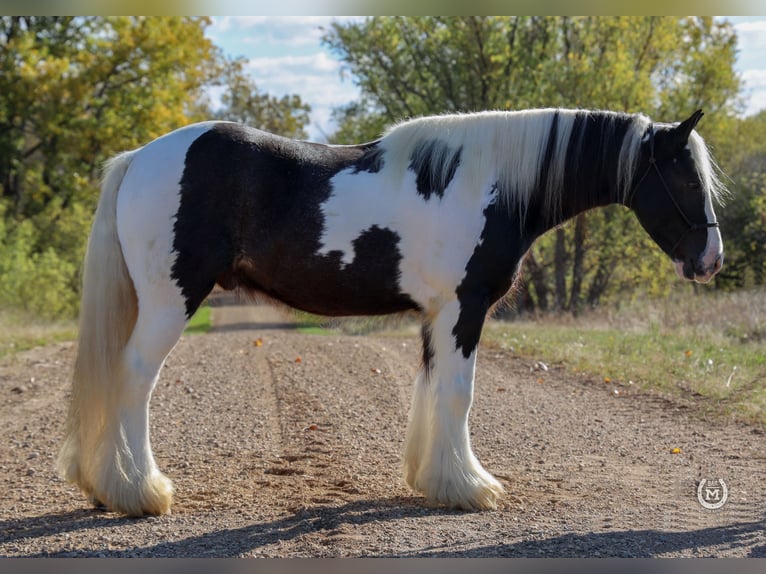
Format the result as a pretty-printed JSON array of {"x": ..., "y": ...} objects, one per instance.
[
  {"x": 560, "y": 270},
  {"x": 578, "y": 267},
  {"x": 538, "y": 281}
]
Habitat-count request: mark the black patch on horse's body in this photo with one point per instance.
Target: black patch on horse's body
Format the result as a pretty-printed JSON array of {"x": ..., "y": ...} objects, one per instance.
[
  {"x": 371, "y": 160},
  {"x": 489, "y": 273},
  {"x": 434, "y": 164},
  {"x": 250, "y": 217}
]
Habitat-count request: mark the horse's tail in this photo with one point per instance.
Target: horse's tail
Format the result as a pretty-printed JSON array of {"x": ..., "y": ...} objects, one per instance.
[{"x": 108, "y": 313}]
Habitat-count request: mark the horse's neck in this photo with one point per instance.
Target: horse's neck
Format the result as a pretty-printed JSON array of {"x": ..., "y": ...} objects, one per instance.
[
  {"x": 574, "y": 199},
  {"x": 580, "y": 199}
]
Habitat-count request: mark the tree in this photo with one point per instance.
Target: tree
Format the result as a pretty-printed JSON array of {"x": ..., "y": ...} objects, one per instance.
[
  {"x": 73, "y": 91},
  {"x": 76, "y": 90},
  {"x": 743, "y": 221},
  {"x": 243, "y": 102},
  {"x": 665, "y": 67}
]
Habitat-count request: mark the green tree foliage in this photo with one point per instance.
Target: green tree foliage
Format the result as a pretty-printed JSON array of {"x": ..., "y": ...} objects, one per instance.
[
  {"x": 72, "y": 92},
  {"x": 662, "y": 66},
  {"x": 242, "y": 102},
  {"x": 76, "y": 90},
  {"x": 743, "y": 222}
]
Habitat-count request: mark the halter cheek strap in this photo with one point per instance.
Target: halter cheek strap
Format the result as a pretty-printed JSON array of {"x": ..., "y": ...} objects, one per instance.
[{"x": 653, "y": 165}]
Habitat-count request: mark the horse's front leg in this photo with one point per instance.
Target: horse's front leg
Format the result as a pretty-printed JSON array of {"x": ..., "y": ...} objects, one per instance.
[{"x": 438, "y": 460}]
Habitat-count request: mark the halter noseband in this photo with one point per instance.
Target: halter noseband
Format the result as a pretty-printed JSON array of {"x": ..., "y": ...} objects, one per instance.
[{"x": 653, "y": 164}]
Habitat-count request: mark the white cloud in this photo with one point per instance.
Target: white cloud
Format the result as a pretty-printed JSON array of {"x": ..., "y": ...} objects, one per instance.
[
  {"x": 314, "y": 64},
  {"x": 751, "y": 62},
  {"x": 283, "y": 30},
  {"x": 755, "y": 27},
  {"x": 214, "y": 94},
  {"x": 755, "y": 90},
  {"x": 315, "y": 78},
  {"x": 755, "y": 78}
]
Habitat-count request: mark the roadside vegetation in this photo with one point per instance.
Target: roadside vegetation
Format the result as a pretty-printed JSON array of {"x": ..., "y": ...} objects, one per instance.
[
  {"x": 21, "y": 331},
  {"x": 706, "y": 349}
]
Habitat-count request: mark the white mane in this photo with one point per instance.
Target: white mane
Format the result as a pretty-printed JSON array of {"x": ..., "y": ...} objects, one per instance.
[
  {"x": 512, "y": 147},
  {"x": 707, "y": 169}
]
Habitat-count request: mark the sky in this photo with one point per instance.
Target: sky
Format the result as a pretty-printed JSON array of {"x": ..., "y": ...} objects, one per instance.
[{"x": 285, "y": 56}]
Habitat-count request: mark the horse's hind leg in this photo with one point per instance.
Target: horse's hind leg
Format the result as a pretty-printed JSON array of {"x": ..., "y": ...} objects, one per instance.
[
  {"x": 438, "y": 459},
  {"x": 131, "y": 482}
]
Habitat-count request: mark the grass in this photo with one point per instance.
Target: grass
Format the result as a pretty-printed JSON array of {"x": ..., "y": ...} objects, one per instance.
[
  {"x": 21, "y": 332},
  {"x": 704, "y": 348},
  {"x": 314, "y": 330},
  {"x": 201, "y": 321}
]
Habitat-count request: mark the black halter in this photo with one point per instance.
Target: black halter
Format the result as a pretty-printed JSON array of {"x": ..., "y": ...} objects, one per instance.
[{"x": 653, "y": 165}]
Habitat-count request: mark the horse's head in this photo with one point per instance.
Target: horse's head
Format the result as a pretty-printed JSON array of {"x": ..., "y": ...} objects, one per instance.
[{"x": 673, "y": 196}]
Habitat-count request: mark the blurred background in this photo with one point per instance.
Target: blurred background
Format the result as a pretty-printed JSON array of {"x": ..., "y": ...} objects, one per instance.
[{"x": 75, "y": 90}]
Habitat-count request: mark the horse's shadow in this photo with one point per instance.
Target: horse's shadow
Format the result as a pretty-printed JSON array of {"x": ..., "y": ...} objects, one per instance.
[
  {"x": 704, "y": 542},
  {"x": 229, "y": 543},
  {"x": 222, "y": 543}
]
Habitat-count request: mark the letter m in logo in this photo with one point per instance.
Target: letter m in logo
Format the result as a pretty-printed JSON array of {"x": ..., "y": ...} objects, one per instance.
[{"x": 713, "y": 494}]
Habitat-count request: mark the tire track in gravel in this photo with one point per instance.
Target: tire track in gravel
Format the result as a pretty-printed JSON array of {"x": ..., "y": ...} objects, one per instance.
[
  {"x": 213, "y": 422},
  {"x": 588, "y": 472},
  {"x": 334, "y": 413}
]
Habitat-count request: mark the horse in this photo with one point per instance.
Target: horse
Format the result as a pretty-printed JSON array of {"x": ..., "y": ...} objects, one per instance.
[{"x": 434, "y": 217}]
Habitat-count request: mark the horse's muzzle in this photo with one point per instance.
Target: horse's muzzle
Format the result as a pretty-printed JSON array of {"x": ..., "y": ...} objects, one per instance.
[{"x": 698, "y": 271}]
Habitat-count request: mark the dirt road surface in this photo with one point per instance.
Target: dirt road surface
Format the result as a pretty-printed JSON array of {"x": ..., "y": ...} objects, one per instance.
[{"x": 283, "y": 444}]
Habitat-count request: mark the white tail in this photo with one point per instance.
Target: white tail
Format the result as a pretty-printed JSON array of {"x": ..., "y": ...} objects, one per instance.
[{"x": 92, "y": 455}]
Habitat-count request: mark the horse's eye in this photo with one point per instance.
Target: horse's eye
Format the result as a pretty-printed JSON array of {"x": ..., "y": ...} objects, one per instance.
[{"x": 693, "y": 185}]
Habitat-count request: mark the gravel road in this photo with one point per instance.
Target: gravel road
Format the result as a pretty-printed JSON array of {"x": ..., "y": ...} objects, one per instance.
[{"x": 283, "y": 444}]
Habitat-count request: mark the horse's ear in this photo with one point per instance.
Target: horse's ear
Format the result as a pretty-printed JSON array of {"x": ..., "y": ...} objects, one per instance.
[{"x": 684, "y": 129}]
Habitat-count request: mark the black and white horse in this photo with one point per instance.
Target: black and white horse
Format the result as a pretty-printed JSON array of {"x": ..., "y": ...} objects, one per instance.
[{"x": 433, "y": 217}]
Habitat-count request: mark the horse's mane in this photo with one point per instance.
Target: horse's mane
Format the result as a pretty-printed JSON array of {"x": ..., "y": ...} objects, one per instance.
[
  {"x": 534, "y": 149},
  {"x": 707, "y": 168}
]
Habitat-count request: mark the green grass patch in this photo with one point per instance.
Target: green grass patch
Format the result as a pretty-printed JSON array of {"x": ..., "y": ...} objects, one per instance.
[
  {"x": 314, "y": 330},
  {"x": 309, "y": 324},
  {"x": 201, "y": 321},
  {"x": 690, "y": 358}
]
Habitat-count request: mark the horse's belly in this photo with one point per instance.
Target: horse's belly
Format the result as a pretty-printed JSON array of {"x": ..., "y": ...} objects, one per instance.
[{"x": 324, "y": 285}]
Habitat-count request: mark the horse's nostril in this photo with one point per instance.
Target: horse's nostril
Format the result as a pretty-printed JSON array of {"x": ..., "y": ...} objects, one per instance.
[{"x": 718, "y": 263}]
